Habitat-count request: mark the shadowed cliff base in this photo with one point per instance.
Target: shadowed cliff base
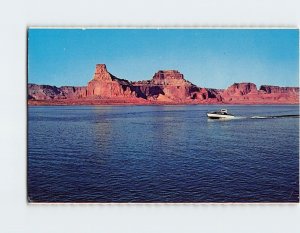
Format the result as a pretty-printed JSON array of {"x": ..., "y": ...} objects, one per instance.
[{"x": 165, "y": 87}]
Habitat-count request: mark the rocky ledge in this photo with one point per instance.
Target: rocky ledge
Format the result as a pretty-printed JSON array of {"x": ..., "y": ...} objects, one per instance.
[{"x": 165, "y": 87}]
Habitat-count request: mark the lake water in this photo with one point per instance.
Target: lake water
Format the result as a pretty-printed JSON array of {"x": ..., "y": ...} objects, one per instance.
[{"x": 162, "y": 154}]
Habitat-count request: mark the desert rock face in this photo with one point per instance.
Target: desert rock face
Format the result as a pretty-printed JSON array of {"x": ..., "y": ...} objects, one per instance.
[
  {"x": 239, "y": 89},
  {"x": 166, "y": 86},
  {"x": 276, "y": 89},
  {"x": 207, "y": 95},
  {"x": 70, "y": 92},
  {"x": 280, "y": 94},
  {"x": 239, "y": 92},
  {"x": 43, "y": 92},
  {"x": 46, "y": 92},
  {"x": 106, "y": 85},
  {"x": 168, "y": 77},
  {"x": 248, "y": 93}
]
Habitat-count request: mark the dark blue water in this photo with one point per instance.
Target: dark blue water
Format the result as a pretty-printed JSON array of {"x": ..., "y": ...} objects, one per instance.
[{"x": 162, "y": 154}]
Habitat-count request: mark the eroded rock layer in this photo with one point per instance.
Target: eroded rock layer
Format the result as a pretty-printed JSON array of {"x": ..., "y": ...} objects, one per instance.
[
  {"x": 106, "y": 85},
  {"x": 47, "y": 92},
  {"x": 166, "y": 86}
]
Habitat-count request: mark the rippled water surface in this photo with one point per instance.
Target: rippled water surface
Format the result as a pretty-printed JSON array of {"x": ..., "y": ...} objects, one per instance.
[{"x": 162, "y": 154}]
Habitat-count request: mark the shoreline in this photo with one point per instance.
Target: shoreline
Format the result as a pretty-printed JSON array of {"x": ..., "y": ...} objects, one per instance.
[{"x": 143, "y": 103}]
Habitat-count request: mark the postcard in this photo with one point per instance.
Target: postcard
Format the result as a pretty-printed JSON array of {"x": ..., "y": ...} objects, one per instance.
[{"x": 168, "y": 115}]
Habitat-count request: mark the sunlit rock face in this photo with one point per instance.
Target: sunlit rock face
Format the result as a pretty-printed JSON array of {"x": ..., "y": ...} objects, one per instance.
[
  {"x": 280, "y": 94},
  {"x": 168, "y": 85},
  {"x": 239, "y": 89},
  {"x": 106, "y": 85},
  {"x": 165, "y": 86},
  {"x": 248, "y": 93},
  {"x": 173, "y": 84}
]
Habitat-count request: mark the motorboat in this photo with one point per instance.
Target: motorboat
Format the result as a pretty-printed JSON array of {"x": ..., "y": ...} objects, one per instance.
[{"x": 222, "y": 114}]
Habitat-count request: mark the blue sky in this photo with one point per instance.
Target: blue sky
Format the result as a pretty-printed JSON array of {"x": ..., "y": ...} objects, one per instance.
[{"x": 207, "y": 57}]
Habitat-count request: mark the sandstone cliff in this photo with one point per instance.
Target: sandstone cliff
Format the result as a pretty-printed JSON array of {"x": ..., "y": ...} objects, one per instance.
[
  {"x": 105, "y": 85},
  {"x": 248, "y": 93},
  {"x": 276, "y": 89},
  {"x": 166, "y": 86},
  {"x": 239, "y": 92},
  {"x": 46, "y": 92}
]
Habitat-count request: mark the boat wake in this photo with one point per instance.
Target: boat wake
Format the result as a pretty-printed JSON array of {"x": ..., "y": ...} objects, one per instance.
[
  {"x": 255, "y": 117},
  {"x": 224, "y": 115},
  {"x": 272, "y": 117}
]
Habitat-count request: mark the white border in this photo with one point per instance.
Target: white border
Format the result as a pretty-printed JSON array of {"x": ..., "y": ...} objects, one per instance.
[{"x": 17, "y": 216}]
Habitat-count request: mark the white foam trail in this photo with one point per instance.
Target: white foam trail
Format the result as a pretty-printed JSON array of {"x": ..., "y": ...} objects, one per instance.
[
  {"x": 259, "y": 117},
  {"x": 254, "y": 117},
  {"x": 239, "y": 117},
  {"x": 277, "y": 116}
]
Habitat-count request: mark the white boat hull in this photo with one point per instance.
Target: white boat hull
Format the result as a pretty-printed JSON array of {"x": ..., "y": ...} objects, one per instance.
[{"x": 219, "y": 116}]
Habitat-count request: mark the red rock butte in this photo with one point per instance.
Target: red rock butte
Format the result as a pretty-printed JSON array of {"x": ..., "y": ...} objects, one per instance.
[
  {"x": 106, "y": 85},
  {"x": 165, "y": 87},
  {"x": 101, "y": 73}
]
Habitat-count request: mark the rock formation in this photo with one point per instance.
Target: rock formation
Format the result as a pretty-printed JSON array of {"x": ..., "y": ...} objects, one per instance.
[
  {"x": 276, "y": 89},
  {"x": 239, "y": 92},
  {"x": 105, "y": 85},
  {"x": 166, "y": 86},
  {"x": 240, "y": 89},
  {"x": 248, "y": 93},
  {"x": 280, "y": 94},
  {"x": 46, "y": 92}
]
